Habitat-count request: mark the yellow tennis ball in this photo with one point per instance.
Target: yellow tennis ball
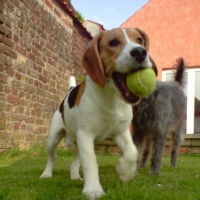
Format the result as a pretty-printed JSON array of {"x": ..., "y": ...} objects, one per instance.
[{"x": 142, "y": 82}]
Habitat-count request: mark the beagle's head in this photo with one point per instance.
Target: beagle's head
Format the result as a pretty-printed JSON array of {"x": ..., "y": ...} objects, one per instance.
[{"x": 113, "y": 54}]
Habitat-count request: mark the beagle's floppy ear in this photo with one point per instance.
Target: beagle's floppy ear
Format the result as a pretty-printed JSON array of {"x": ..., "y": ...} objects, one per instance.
[
  {"x": 92, "y": 61},
  {"x": 153, "y": 65},
  {"x": 146, "y": 38}
]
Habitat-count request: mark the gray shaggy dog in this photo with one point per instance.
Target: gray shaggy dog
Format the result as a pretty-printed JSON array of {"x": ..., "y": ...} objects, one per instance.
[{"x": 157, "y": 115}]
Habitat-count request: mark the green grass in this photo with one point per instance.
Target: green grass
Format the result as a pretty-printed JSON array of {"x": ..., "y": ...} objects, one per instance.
[{"x": 20, "y": 171}]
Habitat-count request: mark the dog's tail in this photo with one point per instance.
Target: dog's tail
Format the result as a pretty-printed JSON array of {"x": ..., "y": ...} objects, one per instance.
[
  {"x": 72, "y": 82},
  {"x": 179, "y": 75}
]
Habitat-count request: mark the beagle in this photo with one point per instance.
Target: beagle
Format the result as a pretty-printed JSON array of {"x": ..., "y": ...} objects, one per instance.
[{"x": 101, "y": 106}]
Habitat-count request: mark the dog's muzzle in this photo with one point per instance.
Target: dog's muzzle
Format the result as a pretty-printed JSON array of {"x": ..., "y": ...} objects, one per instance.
[
  {"x": 120, "y": 82},
  {"x": 139, "y": 54}
]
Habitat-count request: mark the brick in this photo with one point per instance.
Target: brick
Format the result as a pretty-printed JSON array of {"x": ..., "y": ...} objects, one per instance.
[
  {"x": 3, "y": 78},
  {"x": 36, "y": 83},
  {"x": 9, "y": 52},
  {"x": 57, "y": 12},
  {"x": 35, "y": 51},
  {"x": 39, "y": 69},
  {"x": 15, "y": 91},
  {"x": 10, "y": 6},
  {"x": 5, "y": 31},
  {"x": 31, "y": 56},
  {"x": 2, "y": 29},
  {"x": 18, "y": 135},
  {"x": 32, "y": 73},
  {"x": 30, "y": 120},
  {"x": 2, "y": 18},
  {"x": 7, "y": 89},
  {"x": 20, "y": 49},
  {"x": 8, "y": 23},
  {"x": 10, "y": 71},
  {"x": 22, "y": 102},
  {"x": 2, "y": 47},
  {"x": 44, "y": 72},
  {"x": 16, "y": 38},
  {"x": 7, "y": 41},
  {"x": 20, "y": 109},
  {"x": 2, "y": 124},
  {"x": 1, "y": 7},
  {"x": 2, "y": 58},
  {"x": 30, "y": 89},
  {"x": 18, "y": 75},
  {"x": 38, "y": 106},
  {"x": 66, "y": 22},
  {"x": 28, "y": 46},
  {"x": 29, "y": 137},
  {"x": 21, "y": 93},
  {"x": 9, "y": 34},
  {"x": 2, "y": 39},
  {"x": 30, "y": 81},
  {"x": 43, "y": 79},
  {"x": 49, "y": 4},
  {"x": 21, "y": 68},
  {"x": 23, "y": 127},
  {"x": 9, "y": 145},
  {"x": 21, "y": 58},
  {"x": 40, "y": 62},
  {"x": 38, "y": 46},
  {"x": 44, "y": 35},
  {"x": 38, "y": 113},
  {"x": 2, "y": 97},
  {"x": 13, "y": 99},
  {"x": 9, "y": 61},
  {"x": 16, "y": 126},
  {"x": 3, "y": 135},
  {"x": 2, "y": 67},
  {"x": 35, "y": 12}
]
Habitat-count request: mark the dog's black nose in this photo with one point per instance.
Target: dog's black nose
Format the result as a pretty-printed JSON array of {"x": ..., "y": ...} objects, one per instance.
[{"x": 139, "y": 53}]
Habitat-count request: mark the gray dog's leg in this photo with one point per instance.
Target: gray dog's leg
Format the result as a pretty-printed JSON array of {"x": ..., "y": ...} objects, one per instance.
[
  {"x": 157, "y": 150},
  {"x": 176, "y": 143}
]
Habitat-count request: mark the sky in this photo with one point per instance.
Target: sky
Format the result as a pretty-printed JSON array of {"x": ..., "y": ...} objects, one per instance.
[{"x": 109, "y": 13}]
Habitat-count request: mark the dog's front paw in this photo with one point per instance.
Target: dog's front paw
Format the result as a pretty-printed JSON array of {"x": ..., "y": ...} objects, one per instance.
[
  {"x": 93, "y": 193},
  {"x": 153, "y": 172},
  {"x": 46, "y": 175},
  {"x": 76, "y": 178},
  {"x": 126, "y": 169}
]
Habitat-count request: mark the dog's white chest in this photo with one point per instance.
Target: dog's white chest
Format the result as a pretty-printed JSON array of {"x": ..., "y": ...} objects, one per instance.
[{"x": 107, "y": 128}]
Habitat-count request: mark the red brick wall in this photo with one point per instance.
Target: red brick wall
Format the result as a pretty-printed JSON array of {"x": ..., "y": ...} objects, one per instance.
[
  {"x": 173, "y": 28},
  {"x": 77, "y": 49},
  {"x": 39, "y": 47}
]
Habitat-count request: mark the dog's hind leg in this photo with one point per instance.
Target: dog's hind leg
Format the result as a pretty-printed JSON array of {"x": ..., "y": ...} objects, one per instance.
[
  {"x": 56, "y": 133},
  {"x": 145, "y": 154},
  {"x": 157, "y": 150},
  {"x": 92, "y": 187},
  {"x": 74, "y": 168},
  {"x": 139, "y": 140},
  {"x": 176, "y": 136}
]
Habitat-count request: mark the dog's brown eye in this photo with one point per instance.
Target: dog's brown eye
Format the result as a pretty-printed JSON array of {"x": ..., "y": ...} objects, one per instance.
[
  {"x": 113, "y": 43},
  {"x": 139, "y": 40}
]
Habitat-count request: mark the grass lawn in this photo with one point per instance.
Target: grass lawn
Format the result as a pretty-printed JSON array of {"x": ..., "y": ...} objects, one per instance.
[{"x": 20, "y": 171}]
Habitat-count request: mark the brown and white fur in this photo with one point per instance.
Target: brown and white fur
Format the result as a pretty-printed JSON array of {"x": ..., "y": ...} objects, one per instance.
[{"x": 100, "y": 106}]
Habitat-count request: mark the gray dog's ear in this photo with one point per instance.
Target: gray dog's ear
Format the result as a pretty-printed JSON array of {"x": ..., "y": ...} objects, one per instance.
[
  {"x": 92, "y": 61},
  {"x": 153, "y": 65}
]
